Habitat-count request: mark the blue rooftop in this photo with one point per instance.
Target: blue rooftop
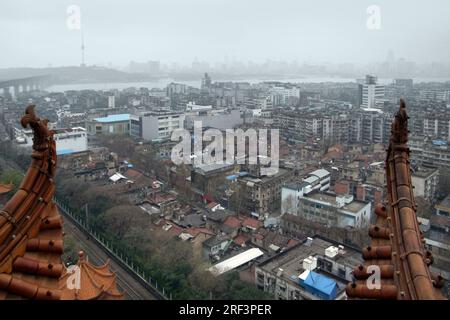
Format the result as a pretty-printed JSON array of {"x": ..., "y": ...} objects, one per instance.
[
  {"x": 64, "y": 151},
  {"x": 114, "y": 118}
]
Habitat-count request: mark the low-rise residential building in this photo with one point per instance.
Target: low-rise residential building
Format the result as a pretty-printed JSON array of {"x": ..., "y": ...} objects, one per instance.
[
  {"x": 262, "y": 195},
  {"x": 437, "y": 238},
  {"x": 205, "y": 179},
  {"x": 370, "y": 193},
  {"x": 425, "y": 182},
  {"x": 111, "y": 124},
  {"x": 318, "y": 180},
  {"x": 316, "y": 269},
  {"x": 334, "y": 210},
  {"x": 215, "y": 118},
  {"x": 68, "y": 140},
  {"x": 433, "y": 153},
  {"x": 216, "y": 246}
]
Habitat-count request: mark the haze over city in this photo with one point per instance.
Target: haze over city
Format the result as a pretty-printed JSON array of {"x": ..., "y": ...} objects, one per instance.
[{"x": 35, "y": 34}]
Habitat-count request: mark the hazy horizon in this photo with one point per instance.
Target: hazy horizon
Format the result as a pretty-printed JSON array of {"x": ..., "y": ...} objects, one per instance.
[{"x": 35, "y": 34}]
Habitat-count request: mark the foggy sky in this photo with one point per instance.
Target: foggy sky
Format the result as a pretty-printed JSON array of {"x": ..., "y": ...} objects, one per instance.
[{"x": 34, "y": 33}]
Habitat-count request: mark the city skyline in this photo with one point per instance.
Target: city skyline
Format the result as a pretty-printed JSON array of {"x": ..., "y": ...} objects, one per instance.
[{"x": 175, "y": 31}]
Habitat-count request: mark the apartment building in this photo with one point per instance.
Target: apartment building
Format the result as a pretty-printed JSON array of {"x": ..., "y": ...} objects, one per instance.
[
  {"x": 316, "y": 269},
  {"x": 68, "y": 140},
  {"x": 430, "y": 153},
  {"x": 318, "y": 180},
  {"x": 371, "y": 94},
  {"x": 335, "y": 210},
  {"x": 156, "y": 125},
  {"x": 262, "y": 195},
  {"x": 111, "y": 124},
  {"x": 425, "y": 182}
]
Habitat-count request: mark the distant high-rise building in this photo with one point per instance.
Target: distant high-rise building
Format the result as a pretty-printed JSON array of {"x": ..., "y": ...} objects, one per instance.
[
  {"x": 435, "y": 95},
  {"x": 408, "y": 83},
  {"x": 151, "y": 67},
  {"x": 206, "y": 81},
  {"x": 111, "y": 101},
  {"x": 371, "y": 94}
]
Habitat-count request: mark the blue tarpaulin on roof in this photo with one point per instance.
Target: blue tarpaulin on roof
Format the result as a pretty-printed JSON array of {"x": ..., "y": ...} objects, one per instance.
[
  {"x": 320, "y": 285},
  {"x": 235, "y": 176},
  {"x": 439, "y": 142}
]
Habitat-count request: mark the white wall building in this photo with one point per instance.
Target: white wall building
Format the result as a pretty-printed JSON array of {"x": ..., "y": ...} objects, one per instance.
[
  {"x": 285, "y": 95},
  {"x": 334, "y": 210},
  {"x": 67, "y": 140},
  {"x": 425, "y": 182},
  {"x": 310, "y": 200},
  {"x": 318, "y": 180},
  {"x": 216, "y": 118},
  {"x": 371, "y": 93},
  {"x": 156, "y": 125}
]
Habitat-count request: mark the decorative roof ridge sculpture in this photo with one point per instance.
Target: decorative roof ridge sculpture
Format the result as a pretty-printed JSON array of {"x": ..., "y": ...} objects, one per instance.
[
  {"x": 397, "y": 247},
  {"x": 30, "y": 225},
  {"x": 31, "y": 236}
]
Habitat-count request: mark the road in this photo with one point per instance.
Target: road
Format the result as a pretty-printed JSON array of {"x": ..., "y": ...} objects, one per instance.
[{"x": 97, "y": 255}]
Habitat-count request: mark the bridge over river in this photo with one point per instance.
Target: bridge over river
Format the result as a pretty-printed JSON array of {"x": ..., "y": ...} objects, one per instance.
[{"x": 14, "y": 86}]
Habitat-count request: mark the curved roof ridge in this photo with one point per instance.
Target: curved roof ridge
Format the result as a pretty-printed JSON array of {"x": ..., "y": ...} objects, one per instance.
[
  {"x": 21, "y": 219},
  {"x": 397, "y": 244}
]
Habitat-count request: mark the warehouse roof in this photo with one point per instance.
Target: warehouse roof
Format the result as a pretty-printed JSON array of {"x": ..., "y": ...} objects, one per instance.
[{"x": 236, "y": 261}]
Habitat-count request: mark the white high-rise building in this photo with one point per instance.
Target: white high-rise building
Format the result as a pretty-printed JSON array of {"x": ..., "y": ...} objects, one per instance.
[{"x": 371, "y": 94}]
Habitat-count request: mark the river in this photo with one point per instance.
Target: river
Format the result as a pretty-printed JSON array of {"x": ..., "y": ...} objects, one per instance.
[{"x": 162, "y": 83}]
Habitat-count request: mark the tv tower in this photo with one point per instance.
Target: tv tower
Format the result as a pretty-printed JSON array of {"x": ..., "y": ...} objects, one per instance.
[{"x": 82, "y": 49}]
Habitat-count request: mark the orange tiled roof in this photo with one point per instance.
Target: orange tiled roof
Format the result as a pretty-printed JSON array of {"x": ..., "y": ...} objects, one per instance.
[
  {"x": 241, "y": 239},
  {"x": 397, "y": 244},
  {"x": 196, "y": 231},
  {"x": 5, "y": 188},
  {"x": 232, "y": 222},
  {"x": 30, "y": 225},
  {"x": 87, "y": 282},
  {"x": 252, "y": 223},
  {"x": 133, "y": 174},
  {"x": 292, "y": 242}
]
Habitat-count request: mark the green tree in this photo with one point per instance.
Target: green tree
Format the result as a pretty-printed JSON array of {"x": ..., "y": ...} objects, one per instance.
[{"x": 11, "y": 176}]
